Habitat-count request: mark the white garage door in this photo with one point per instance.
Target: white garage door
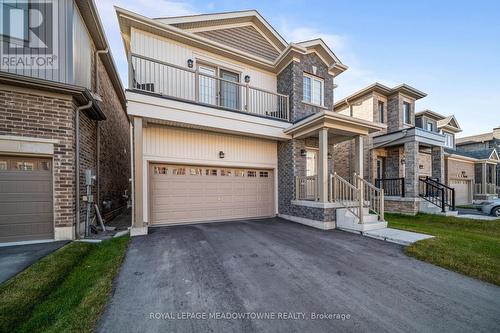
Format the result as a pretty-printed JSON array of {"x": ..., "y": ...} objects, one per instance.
[
  {"x": 194, "y": 194},
  {"x": 462, "y": 191}
]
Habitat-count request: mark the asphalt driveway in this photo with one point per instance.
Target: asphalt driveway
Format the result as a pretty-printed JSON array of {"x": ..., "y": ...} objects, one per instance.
[
  {"x": 292, "y": 272},
  {"x": 15, "y": 259}
]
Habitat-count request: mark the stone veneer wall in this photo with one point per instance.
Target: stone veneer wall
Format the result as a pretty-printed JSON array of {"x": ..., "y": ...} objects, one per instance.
[
  {"x": 409, "y": 206},
  {"x": 290, "y": 161}
]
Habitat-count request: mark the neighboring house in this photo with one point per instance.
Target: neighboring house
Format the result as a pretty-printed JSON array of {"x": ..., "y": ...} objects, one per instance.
[
  {"x": 407, "y": 159},
  {"x": 42, "y": 150},
  {"x": 230, "y": 121},
  {"x": 483, "y": 150}
]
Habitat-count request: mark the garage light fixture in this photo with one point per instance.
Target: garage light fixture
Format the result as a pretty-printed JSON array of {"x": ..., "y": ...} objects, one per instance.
[
  {"x": 221, "y": 154},
  {"x": 303, "y": 153},
  {"x": 247, "y": 78},
  {"x": 190, "y": 63}
]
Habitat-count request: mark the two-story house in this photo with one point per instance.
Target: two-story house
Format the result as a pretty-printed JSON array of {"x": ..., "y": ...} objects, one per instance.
[
  {"x": 483, "y": 151},
  {"x": 61, "y": 114},
  {"x": 407, "y": 159},
  {"x": 231, "y": 121}
]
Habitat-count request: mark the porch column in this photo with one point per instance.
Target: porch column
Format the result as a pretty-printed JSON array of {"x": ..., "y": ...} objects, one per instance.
[
  {"x": 358, "y": 158},
  {"x": 323, "y": 165},
  {"x": 411, "y": 169},
  {"x": 437, "y": 164},
  {"x": 483, "y": 178}
]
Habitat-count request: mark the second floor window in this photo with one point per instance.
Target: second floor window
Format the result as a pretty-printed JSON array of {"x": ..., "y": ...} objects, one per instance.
[
  {"x": 381, "y": 111},
  {"x": 449, "y": 140},
  {"x": 313, "y": 90},
  {"x": 430, "y": 127},
  {"x": 406, "y": 113}
]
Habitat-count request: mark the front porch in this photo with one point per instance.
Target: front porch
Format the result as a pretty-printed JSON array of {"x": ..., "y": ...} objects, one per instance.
[
  {"x": 409, "y": 166},
  {"x": 318, "y": 196},
  {"x": 485, "y": 180}
]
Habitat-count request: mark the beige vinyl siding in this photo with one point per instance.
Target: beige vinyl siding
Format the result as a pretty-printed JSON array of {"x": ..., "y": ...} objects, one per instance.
[
  {"x": 177, "y": 144},
  {"x": 82, "y": 52},
  {"x": 166, "y": 50},
  {"x": 245, "y": 38}
]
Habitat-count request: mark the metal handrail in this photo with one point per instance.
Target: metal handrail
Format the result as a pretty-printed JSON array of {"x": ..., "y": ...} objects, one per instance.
[
  {"x": 391, "y": 186},
  {"x": 436, "y": 193},
  {"x": 174, "y": 81}
]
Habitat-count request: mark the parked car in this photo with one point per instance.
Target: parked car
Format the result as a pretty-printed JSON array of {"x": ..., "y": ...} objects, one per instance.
[{"x": 490, "y": 207}]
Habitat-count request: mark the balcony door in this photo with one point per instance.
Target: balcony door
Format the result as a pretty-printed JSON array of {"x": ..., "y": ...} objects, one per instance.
[
  {"x": 229, "y": 90},
  {"x": 208, "y": 84}
]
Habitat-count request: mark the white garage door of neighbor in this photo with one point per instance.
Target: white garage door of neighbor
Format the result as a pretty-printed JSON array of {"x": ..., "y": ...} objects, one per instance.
[
  {"x": 195, "y": 193},
  {"x": 462, "y": 191}
]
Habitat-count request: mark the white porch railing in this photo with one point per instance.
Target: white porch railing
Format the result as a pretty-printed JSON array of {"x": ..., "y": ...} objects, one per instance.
[
  {"x": 348, "y": 195},
  {"x": 356, "y": 198},
  {"x": 306, "y": 188},
  {"x": 170, "y": 80},
  {"x": 372, "y": 195}
]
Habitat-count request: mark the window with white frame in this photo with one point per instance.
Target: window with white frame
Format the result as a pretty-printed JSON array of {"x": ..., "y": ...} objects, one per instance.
[
  {"x": 406, "y": 113},
  {"x": 449, "y": 140},
  {"x": 313, "y": 90}
]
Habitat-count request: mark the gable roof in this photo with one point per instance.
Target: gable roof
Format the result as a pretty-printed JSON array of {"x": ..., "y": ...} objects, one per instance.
[
  {"x": 224, "y": 20},
  {"x": 449, "y": 123},
  {"x": 481, "y": 154},
  {"x": 211, "y": 31},
  {"x": 383, "y": 90}
]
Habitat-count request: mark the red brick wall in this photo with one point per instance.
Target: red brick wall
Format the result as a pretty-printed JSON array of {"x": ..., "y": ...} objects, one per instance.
[
  {"x": 26, "y": 113},
  {"x": 114, "y": 168}
]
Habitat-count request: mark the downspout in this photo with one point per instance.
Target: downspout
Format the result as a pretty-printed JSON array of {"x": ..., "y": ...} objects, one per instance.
[
  {"x": 77, "y": 166},
  {"x": 96, "y": 55}
]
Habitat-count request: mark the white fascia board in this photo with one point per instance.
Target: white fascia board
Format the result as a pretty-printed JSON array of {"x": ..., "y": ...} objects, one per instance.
[{"x": 164, "y": 109}]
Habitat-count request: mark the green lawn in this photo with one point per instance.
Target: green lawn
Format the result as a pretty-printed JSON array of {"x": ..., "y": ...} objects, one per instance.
[
  {"x": 65, "y": 291},
  {"x": 470, "y": 247}
]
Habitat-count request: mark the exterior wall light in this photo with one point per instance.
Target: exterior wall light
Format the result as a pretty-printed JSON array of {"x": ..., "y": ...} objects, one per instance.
[
  {"x": 329, "y": 156},
  {"x": 221, "y": 154},
  {"x": 190, "y": 63},
  {"x": 303, "y": 153},
  {"x": 247, "y": 78},
  {"x": 403, "y": 161}
]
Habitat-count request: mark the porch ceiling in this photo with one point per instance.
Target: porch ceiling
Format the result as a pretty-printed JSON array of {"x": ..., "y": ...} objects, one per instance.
[{"x": 340, "y": 126}]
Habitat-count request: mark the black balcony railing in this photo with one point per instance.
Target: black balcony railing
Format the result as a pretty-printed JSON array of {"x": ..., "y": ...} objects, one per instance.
[{"x": 392, "y": 186}]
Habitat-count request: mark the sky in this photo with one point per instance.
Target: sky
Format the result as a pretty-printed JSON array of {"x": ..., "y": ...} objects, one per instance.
[{"x": 447, "y": 49}]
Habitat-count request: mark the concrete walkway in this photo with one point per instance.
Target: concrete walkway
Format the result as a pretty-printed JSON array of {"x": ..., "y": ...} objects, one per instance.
[
  {"x": 397, "y": 236},
  {"x": 15, "y": 259},
  {"x": 478, "y": 217}
]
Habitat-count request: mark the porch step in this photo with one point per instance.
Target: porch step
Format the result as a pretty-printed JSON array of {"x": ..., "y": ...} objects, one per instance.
[
  {"x": 346, "y": 221},
  {"x": 429, "y": 208}
]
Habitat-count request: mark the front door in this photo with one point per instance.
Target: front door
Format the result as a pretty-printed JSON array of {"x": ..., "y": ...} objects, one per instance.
[
  {"x": 311, "y": 173},
  {"x": 229, "y": 90}
]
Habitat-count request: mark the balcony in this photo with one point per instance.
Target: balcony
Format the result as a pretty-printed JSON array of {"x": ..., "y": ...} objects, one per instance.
[{"x": 190, "y": 85}]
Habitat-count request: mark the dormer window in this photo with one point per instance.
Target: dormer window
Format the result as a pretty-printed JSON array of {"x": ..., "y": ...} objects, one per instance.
[
  {"x": 313, "y": 90},
  {"x": 406, "y": 113},
  {"x": 430, "y": 127}
]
